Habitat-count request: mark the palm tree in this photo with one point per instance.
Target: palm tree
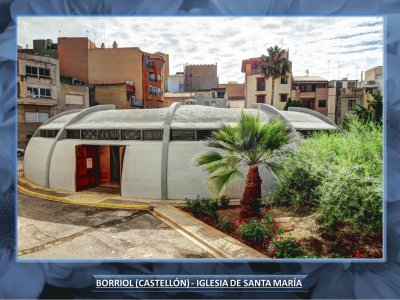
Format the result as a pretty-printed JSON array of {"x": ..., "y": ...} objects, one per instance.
[
  {"x": 248, "y": 143},
  {"x": 275, "y": 65}
]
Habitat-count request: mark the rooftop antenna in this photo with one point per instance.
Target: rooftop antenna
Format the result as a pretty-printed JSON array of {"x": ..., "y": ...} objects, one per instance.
[
  {"x": 307, "y": 72},
  {"x": 59, "y": 33},
  {"x": 87, "y": 33}
]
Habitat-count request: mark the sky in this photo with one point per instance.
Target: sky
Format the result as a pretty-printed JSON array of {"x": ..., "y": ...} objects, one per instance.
[{"x": 316, "y": 44}]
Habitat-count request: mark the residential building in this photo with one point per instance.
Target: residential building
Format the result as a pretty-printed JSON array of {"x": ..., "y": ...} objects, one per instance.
[
  {"x": 123, "y": 95},
  {"x": 345, "y": 94},
  {"x": 182, "y": 97},
  {"x": 38, "y": 86},
  {"x": 313, "y": 91},
  {"x": 176, "y": 83},
  {"x": 73, "y": 94},
  {"x": 148, "y": 72},
  {"x": 200, "y": 77},
  {"x": 235, "y": 96},
  {"x": 214, "y": 97},
  {"x": 372, "y": 83},
  {"x": 259, "y": 90},
  {"x": 42, "y": 48}
]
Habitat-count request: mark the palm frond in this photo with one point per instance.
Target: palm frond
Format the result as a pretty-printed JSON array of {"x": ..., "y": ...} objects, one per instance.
[{"x": 220, "y": 181}]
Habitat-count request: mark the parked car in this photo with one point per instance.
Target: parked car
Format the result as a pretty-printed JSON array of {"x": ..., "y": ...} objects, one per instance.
[{"x": 20, "y": 152}]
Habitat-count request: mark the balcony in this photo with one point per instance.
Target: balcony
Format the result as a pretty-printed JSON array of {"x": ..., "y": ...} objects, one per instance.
[{"x": 304, "y": 95}]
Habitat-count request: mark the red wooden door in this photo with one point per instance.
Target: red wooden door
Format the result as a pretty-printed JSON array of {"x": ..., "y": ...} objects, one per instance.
[
  {"x": 85, "y": 167},
  {"x": 104, "y": 164}
]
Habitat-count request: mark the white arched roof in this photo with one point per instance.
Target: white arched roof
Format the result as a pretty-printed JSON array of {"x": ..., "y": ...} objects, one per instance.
[{"x": 186, "y": 116}]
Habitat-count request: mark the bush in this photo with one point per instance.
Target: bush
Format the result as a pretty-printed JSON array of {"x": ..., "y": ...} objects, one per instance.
[
  {"x": 209, "y": 207},
  {"x": 256, "y": 231},
  {"x": 340, "y": 173},
  {"x": 288, "y": 248},
  {"x": 194, "y": 207},
  {"x": 224, "y": 201},
  {"x": 351, "y": 199},
  {"x": 199, "y": 207},
  {"x": 225, "y": 225},
  {"x": 298, "y": 183}
]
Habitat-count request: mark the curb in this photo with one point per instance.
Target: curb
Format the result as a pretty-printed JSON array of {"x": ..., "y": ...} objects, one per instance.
[
  {"x": 64, "y": 200},
  {"x": 213, "y": 249},
  {"x": 200, "y": 240}
]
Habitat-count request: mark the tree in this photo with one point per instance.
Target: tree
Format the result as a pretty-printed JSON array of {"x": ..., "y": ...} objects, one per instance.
[
  {"x": 374, "y": 111},
  {"x": 248, "y": 143},
  {"x": 275, "y": 65},
  {"x": 293, "y": 103}
]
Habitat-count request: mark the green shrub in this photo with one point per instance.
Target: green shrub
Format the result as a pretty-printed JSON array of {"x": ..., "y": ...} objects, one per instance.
[
  {"x": 199, "y": 207},
  {"x": 224, "y": 201},
  {"x": 256, "y": 231},
  {"x": 194, "y": 207},
  {"x": 288, "y": 248},
  {"x": 340, "y": 174},
  {"x": 298, "y": 183},
  {"x": 351, "y": 199},
  {"x": 225, "y": 225},
  {"x": 209, "y": 207}
]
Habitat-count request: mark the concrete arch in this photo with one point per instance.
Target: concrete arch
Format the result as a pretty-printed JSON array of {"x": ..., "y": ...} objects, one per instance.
[{"x": 62, "y": 134}]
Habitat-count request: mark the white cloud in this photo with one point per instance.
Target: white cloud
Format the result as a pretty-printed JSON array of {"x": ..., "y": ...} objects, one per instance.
[{"x": 312, "y": 41}]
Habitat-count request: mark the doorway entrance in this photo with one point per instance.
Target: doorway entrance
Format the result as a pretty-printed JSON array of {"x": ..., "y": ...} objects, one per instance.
[{"x": 99, "y": 166}]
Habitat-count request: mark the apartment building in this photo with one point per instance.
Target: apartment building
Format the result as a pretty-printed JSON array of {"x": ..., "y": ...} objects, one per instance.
[
  {"x": 235, "y": 96},
  {"x": 38, "y": 89},
  {"x": 147, "y": 72},
  {"x": 257, "y": 89},
  {"x": 200, "y": 77}
]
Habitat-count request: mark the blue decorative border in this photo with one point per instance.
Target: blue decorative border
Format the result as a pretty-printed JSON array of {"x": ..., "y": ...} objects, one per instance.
[{"x": 333, "y": 280}]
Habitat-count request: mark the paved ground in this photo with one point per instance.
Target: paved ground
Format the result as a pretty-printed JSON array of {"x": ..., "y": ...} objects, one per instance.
[{"x": 49, "y": 229}]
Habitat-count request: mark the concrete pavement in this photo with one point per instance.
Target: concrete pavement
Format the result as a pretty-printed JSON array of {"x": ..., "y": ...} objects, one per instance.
[{"x": 59, "y": 230}]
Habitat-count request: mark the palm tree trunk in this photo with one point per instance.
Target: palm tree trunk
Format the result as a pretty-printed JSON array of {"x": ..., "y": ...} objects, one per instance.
[
  {"x": 252, "y": 194},
  {"x": 273, "y": 90}
]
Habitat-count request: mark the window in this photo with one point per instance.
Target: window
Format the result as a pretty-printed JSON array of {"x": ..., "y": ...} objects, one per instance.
[
  {"x": 260, "y": 98},
  {"x": 183, "y": 135},
  {"x": 351, "y": 104},
  {"x": 284, "y": 79},
  {"x": 48, "y": 133},
  {"x": 31, "y": 70},
  {"x": 131, "y": 135},
  {"x": 321, "y": 103},
  {"x": 206, "y": 103},
  {"x": 152, "y": 90},
  {"x": 112, "y": 134},
  {"x": 153, "y": 135},
  {"x": 35, "y": 71},
  {"x": 44, "y": 72},
  {"x": 261, "y": 84},
  {"x": 284, "y": 97},
  {"x": 89, "y": 134},
  {"x": 213, "y": 103},
  {"x": 73, "y": 134},
  {"x": 36, "y": 117},
  {"x": 159, "y": 64},
  {"x": 39, "y": 92},
  {"x": 351, "y": 84},
  {"x": 213, "y": 94},
  {"x": 306, "y": 104},
  {"x": 149, "y": 63},
  {"x": 221, "y": 94},
  {"x": 152, "y": 77}
]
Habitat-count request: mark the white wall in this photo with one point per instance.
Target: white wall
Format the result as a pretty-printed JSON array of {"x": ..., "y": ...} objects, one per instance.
[
  {"x": 141, "y": 173},
  {"x": 35, "y": 159},
  {"x": 63, "y": 166},
  {"x": 186, "y": 180}
]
